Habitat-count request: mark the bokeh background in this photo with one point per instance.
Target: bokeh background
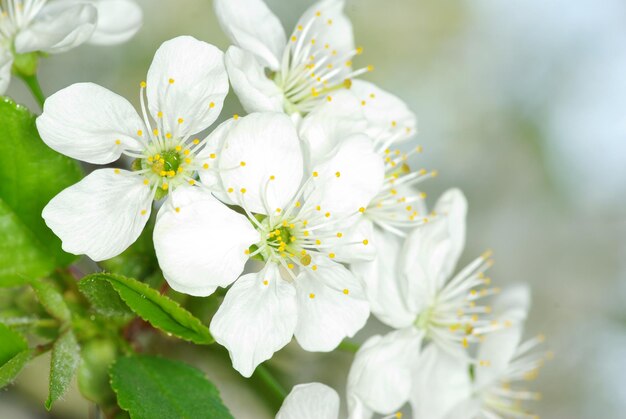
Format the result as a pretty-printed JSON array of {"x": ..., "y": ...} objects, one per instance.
[{"x": 522, "y": 104}]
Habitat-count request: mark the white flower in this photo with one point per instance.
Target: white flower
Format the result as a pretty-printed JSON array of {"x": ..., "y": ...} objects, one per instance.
[
  {"x": 316, "y": 401},
  {"x": 295, "y": 225},
  {"x": 419, "y": 298},
  {"x": 497, "y": 390},
  {"x": 397, "y": 207},
  {"x": 105, "y": 212},
  {"x": 55, "y": 26},
  {"x": 270, "y": 72}
]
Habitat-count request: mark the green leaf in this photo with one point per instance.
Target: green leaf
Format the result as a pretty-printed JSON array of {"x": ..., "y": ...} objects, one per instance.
[
  {"x": 149, "y": 387},
  {"x": 104, "y": 298},
  {"x": 14, "y": 354},
  {"x": 93, "y": 373},
  {"x": 30, "y": 175},
  {"x": 51, "y": 298},
  {"x": 65, "y": 357},
  {"x": 160, "y": 311}
]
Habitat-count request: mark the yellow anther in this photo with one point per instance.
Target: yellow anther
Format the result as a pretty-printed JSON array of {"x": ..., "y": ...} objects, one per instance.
[
  {"x": 394, "y": 124},
  {"x": 171, "y": 173},
  {"x": 181, "y": 120},
  {"x": 305, "y": 233},
  {"x": 370, "y": 68},
  {"x": 465, "y": 342},
  {"x": 143, "y": 84},
  {"x": 242, "y": 190},
  {"x": 347, "y": 83},
  {"x": 311, "y": 296},
  {"x": 340, "y": 235},
  {"x": 212, "y": 155},
  {"x": 279, "y": 210},
  {"x": 365, "y": 242},
  {"x": 434, "y": 173},
  {"x": 242, "y": 164},
  {"x": 294, "y": 38},
  {"x": 118, "y": 142},
  {"x": 359, "y": 51},
  {"x": 331, "y": 255},
  {"x": 315, "y": 174},
  {"x": 327, "y": 215},
  {"x": 318, "y": 208},
  {"x": 265, "y": 282},
  {"x": 329, "y": 21},
  {"x": 168, "y": 136},
  {"x": 230, "y": 190},
  {"x": 116, "y": 171},
  {"x": 314, "y": 267},
  {"x": 329, "y": 98},
  {"x": 178, "y": 148},
  {"x": 338, "y": 174},
  {"x": 211, "y": 105},
  {"x": 146, "y": 182},
  {"x": 159, "y": 114},
  {"x": 318, "y": 13},
  {"x": 205, "y": 166},
  {"x": 165, "y": 186},
  {"x": 187, "y": 160},
  {"x": 348, "y": 63},
  {"x": 235, "y": 117},
  {"x": 143, "y": 212},
  {"x": 140, "y": 133},
  {"x": 290, "y": 265},
  {"x": 247, "y": 251},
  {"x": 177, "y": 209},
  {"x": 192, "y": 182},
  {"x": 155, "y": 132},
  {"x": 171, "y": 81},
  {"x": 186, "y": 152},
  {"x": 362, "y": 210},
  {"x": 300, "y": 27},
  {"x": 346, "y": 291},
  {"x": 272, "y": 177},
  {"x": 196, "y": 141},
  {"x": 298, "y": 204}
]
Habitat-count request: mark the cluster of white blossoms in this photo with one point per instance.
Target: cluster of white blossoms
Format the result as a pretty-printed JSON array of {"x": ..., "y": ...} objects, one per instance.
[
  {"x": 304, "y": 208},
  {"x": 55, "y": 26}
]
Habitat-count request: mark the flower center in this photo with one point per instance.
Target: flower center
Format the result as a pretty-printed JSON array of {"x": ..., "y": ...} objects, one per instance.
[{"x": 167, "y": 164}]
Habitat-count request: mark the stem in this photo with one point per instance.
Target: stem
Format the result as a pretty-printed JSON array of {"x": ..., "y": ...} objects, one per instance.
[
  {"x": 271, "y": 382},
  {"x": 349, "y": 346},
  {"x": 33, "y": 84}
]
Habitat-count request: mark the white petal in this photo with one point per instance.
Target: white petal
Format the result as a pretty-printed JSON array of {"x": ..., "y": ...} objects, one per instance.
[
  {"x": 329, "y": 124},
  {"x": 498, "y": 348},
  {"x": 187, "y": 80},
  {"x": 118, "y": 21},
  {"x": 256, "y": 319},
  {"x": 468, "y": 409},
  {"x": 257, "y": 147},
  {"x": 200, "y": 242},
  {"x": 382, "y": 282},
  {"x": 381, "y": 374},
  {"x": 356, "y": 242},
  {"x": 310, "y": 401},
  {"x": 349, "y": 180},
  {"x": 254, "y": 90},
  {"x": 431, "y": 251},
  {"x": 513, "y": 304},
  {"x": 389, "y": 119},
  {"x": 331, "y": 306},
  {"x": 58, "y": 27},
  {"x": 6, "y": 62},
  {"x": 85, "y": 121},
  {"x": 252, "y": 26},
  {"x": 440, "y": 382},
  {"x": 208, "y": 155},
  {"x": 453, "y": 205},
  {"x": 101, "y": 215},
  {"x": 331, "y": 27}
]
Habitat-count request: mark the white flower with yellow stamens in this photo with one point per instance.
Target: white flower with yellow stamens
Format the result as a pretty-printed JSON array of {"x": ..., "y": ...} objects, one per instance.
[
  {"x": 294, "y": 223},
  {"x": 104, "y": 213},
  {"x": 270, "y": 72},
  {"x": 55, "y": 26},
  {"x": 318, "y": 401},
  {"x": 420, "y": 298}
]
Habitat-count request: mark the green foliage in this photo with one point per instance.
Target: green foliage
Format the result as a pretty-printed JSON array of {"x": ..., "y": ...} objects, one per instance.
[
  {"x": 65, "y": 357},
  {"x": 31, "y": 174},
  {"x": 93, "y": 373},
  {"x": 51, "y": 298},
  {"x": 14, "y": 353},
  {"x": 160, "y": 311},
  {"x": 149, "y": 387}
]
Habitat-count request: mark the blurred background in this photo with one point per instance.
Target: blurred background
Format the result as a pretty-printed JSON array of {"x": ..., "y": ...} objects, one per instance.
[{"x": 522, "y": 104}]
